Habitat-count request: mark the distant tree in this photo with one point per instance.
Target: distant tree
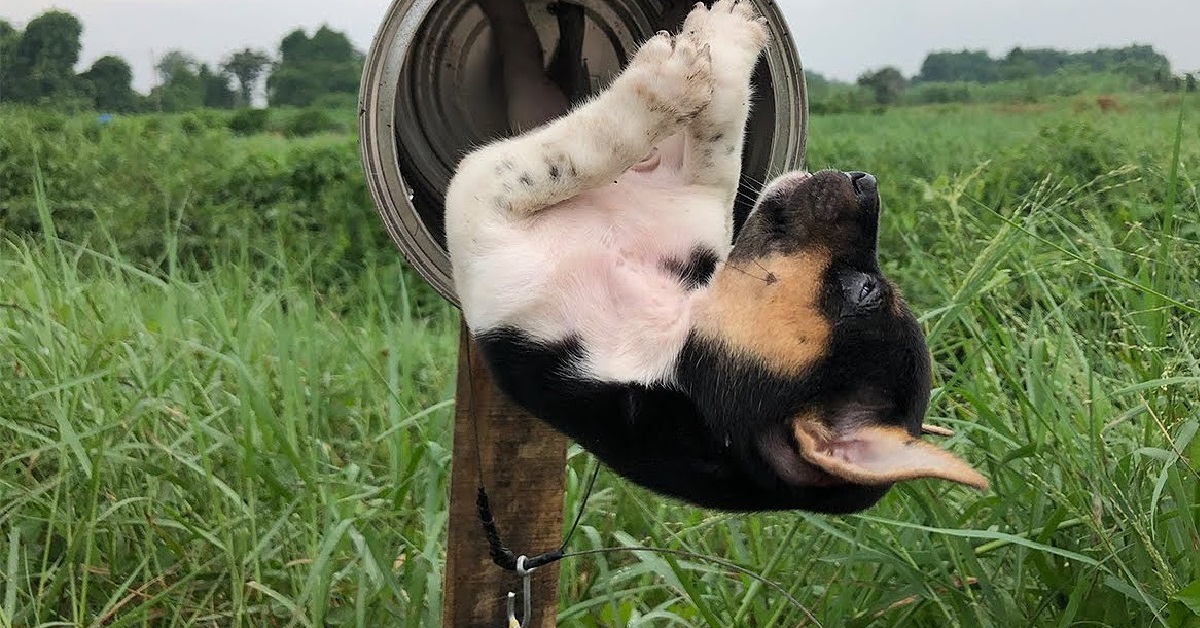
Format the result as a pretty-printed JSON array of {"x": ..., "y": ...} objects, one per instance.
[
  {"x": 180, "y": 86},
  {"x": 246, "y": 66},
  {"x": 41, "y": 64},
  {"x": 309, "y": 68},
  {"x": 1190, "y": 80},
  {"x": 294, "y": 46},
  {"x": 1018, "y": 65},
  {"x": 186, "y": 84},
  {"x": 1141, "y": 57},
  {"x": 8, "y": 42},
  {"x": 816, "y": 79},
  {"x": 886, "y": 85},
  {"x": 217, "y": 92},
  {"x": 1045, "y": 61},
  {"x": 110, "y": 83},
  {"x": 966, "y": 65},
  {"x": 329, "y": 45},
  {"x": 175, "y": 65},
  {"x": 1146, "y": 72}
]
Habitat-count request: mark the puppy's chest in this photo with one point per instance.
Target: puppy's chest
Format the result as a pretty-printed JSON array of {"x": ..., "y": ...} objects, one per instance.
[
  {"x": 647, "y": 238},
  {"x": 623, "y": 263},
  {"x": 643, "y": 216}
]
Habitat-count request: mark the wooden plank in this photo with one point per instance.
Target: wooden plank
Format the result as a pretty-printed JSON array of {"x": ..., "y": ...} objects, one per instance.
[{"x": 523, "y": 467}]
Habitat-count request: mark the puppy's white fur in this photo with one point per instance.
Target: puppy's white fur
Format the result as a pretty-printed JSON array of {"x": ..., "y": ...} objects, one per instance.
[{"x": 563, "y": 231}]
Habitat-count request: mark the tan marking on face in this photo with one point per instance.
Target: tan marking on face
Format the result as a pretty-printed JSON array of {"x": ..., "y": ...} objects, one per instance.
[{"x": 766, "y": 308}]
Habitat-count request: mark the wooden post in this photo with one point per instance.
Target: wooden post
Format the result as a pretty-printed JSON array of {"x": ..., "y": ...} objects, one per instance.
[{"x": 523, "y": 465}]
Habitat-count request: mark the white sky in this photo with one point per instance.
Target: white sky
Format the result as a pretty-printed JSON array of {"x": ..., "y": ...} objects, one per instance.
[{"x": 836, "y": 38}]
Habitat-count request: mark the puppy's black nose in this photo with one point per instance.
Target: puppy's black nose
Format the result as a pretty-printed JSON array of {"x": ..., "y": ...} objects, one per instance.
[{"x": 864, "y": 185}]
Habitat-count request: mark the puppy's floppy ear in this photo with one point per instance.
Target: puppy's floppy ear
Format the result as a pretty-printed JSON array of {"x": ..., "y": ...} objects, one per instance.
[{"x": 875, "y": 454}]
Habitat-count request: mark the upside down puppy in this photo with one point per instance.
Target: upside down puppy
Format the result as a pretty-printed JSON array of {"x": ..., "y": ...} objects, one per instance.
[{"x": 595, "y": 262}]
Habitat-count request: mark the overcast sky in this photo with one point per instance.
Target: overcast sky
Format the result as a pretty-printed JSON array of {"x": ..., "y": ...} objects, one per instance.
[{"x": 836, "y": 38}]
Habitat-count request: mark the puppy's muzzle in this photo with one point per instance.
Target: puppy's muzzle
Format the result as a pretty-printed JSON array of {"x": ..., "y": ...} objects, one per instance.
[{"x": 866, "y": 189}]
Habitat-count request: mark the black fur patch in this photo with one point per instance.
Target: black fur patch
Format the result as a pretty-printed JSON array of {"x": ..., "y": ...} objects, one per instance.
[
  {"x": 742, "y": 400},
  {"x": 658, "y": 438},
  {"x": 697, "y": 270},
  {"x": 653, "y": 436}
]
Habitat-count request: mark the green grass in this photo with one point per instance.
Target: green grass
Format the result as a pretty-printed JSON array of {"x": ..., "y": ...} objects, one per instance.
[{"x": 254, "y": 439}]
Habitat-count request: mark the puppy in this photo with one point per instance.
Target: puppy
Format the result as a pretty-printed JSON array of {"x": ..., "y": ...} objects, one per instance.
[{"x": 595, "y": 262}]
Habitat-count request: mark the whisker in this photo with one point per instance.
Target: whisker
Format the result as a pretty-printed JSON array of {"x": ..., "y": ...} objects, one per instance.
[{"x": 768, "y": 279}]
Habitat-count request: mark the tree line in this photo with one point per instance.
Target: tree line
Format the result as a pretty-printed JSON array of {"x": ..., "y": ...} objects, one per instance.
[
  {"x": 37, "y": 67},
  {"x": 1142, "y": 65}
]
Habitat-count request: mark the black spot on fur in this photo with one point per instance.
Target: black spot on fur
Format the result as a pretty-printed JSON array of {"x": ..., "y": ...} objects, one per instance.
[
  {"x": 716, "y": 137},
  {"x": 695, "y": 271},
  {"x": 555, "y": 172},
  {"x": 526, "y": 180}
]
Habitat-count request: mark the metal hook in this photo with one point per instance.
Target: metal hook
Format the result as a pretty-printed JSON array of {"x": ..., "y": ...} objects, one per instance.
[
  {"x": 527, "y": 588},
  {"x": 526, "y": 577},
  {"x": 512, "y": 618}
]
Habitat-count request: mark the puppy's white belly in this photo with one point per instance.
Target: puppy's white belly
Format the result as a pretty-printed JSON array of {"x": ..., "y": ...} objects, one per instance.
[{"x": 591, "y": 268}]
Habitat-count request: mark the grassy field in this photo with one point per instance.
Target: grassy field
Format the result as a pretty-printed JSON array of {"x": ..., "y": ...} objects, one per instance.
[{"x": 205, "y": 424}]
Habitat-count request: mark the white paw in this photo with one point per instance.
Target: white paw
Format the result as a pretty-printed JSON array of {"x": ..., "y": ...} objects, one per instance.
[
  {"x": 730, "y": 25},
  {"x": 672, "y": 76}
]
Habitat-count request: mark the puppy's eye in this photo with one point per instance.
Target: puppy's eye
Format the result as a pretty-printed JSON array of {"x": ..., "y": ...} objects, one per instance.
[
  {"x": 862, "y": 293},
  {"x": 867, "y": 289}
]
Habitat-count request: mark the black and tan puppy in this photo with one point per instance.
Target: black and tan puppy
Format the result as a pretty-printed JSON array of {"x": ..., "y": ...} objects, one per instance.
[{"x": 596, "y": 266}]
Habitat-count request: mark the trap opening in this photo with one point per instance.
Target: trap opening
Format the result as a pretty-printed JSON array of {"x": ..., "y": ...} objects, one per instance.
[{"x": 431, "y": 91}]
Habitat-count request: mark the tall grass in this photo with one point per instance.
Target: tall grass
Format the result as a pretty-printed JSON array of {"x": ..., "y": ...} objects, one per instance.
[
  {"x": 237, "y": 443},
  {"x": 225, "y": 449}
]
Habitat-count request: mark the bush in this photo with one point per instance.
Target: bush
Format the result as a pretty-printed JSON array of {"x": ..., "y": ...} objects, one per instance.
[
  {"x": 310, "y": 122},
  {"x": 249, "y": 121},
  {"x": 159, "y": 187},
  {"x": 939, "y": 93},
  {"x": 336, "y": 102},
  {"x": 200, "y": 122}
]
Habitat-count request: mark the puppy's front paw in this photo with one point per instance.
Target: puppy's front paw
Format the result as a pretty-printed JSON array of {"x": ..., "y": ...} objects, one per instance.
[
  {"x": 672, "y": 76},
  {"x": 729, "y": 24}
]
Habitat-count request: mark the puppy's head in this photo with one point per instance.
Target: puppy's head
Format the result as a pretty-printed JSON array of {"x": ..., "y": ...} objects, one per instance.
[{"x": 816, "y": 370}]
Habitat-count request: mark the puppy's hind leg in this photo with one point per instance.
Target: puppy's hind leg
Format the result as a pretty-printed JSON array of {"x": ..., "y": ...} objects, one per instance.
[
  {"x": 567, "y": 68},
  {"x": 531, "y": 96},
  {"x": 668, "y": 82},
  {"x": 715, "y": 139}
]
